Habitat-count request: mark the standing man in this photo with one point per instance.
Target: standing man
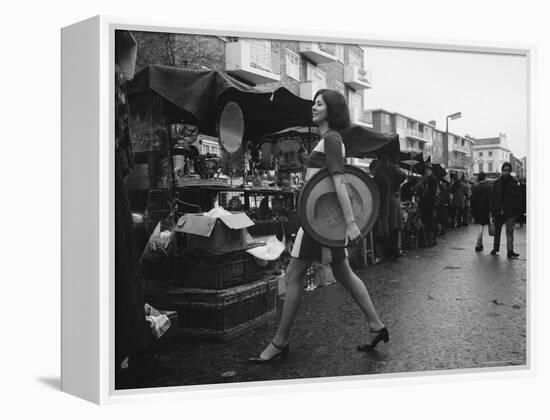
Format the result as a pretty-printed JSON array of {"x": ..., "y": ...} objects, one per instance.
[
  {"x": 408, "y": 188},
  {"x": 480, "y": 207},
  {"x": 459, "y": 200},
  {"x": 429, "y": 197},
  {"x": 523, "y": 191},
  {"x": 396, "y": 177},
  {"x": 381, "y": 228},
  {"x": 505, "y": 204},
  {"x": 443, "y": 207}
]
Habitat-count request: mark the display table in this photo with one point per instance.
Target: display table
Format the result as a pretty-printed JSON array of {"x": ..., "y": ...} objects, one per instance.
[{"x": 274, "y": 227}]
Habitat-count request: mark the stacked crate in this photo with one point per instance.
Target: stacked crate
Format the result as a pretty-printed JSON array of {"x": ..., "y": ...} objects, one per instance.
[{"x": 221, "y": 292}]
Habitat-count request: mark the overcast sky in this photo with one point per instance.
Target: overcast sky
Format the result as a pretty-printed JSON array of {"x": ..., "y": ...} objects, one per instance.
[{"x": 490, "y": 90}]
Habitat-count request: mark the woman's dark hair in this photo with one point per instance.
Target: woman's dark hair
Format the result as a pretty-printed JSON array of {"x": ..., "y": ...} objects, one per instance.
[
  {"x": 337, "y": 108},
  {"x": 481, "y": 176}
]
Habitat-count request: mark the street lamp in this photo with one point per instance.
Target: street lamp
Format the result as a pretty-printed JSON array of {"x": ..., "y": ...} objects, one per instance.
[{"x": 454, "y": 116}]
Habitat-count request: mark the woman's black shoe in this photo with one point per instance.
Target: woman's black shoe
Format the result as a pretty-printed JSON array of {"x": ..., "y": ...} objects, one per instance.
[
  {"x": 283, "y": 353},
  {"x": 512, "y": 254},
  {"x": 494, "y": 252},
  {"x": 381, "y": 335},
  {"x": 479, "y": 248}
]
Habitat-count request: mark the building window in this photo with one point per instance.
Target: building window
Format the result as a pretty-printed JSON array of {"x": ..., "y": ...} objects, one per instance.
[
  {"x": 339, "y": 52},
  {"x": 339, "y": 87},
  {"x": 355, "y": 108},
  {"x": 481, "y": 167},
  {"x": 292, "y": 65},
  {"x": 409, "y": 125},
  {"x": 480, "y": 154},
  {"x": 462, "y": 142},
  {"x": 355, "y": 59},
  {"x": 315, "y": 74},
  {"x": 260, "y": 54},
  {"x": 455, "y": 140},
  {"x": 387, "y": 121},
  {"x": 489, "y": 166},
  {"x": 490, "y": 153}
]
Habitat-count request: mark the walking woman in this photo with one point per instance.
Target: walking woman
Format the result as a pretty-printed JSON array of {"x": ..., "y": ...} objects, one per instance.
[{"x": 330, "y": 114}]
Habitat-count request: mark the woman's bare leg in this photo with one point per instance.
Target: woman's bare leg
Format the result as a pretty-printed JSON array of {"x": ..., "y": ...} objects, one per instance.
[
  {"x": 294, "y": 278},
  {"x": 345, "y": 275}
]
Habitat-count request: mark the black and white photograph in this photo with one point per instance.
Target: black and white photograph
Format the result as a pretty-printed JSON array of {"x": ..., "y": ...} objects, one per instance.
[
  {"x": 269, "y": 210},
  {"x": 290, "y": 209}
]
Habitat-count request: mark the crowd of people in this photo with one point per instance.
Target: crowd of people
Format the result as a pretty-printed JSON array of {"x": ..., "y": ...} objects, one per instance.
[{"x": 444, "y": 203}]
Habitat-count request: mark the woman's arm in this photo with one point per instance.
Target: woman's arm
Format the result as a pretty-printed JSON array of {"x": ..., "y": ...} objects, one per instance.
[{"x": 353, "y": 234}]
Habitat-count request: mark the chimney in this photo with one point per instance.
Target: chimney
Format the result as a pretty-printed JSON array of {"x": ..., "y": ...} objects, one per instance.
[{"x": 432, "y": 122}]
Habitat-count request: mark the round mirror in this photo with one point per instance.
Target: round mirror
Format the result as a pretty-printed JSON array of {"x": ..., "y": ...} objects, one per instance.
[{"x": 231, "y": 127}]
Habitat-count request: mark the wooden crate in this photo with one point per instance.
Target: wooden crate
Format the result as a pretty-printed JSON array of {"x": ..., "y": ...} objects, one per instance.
[
  {"x": 223, "y": 314},
  {"x": 204, "y": 271}
]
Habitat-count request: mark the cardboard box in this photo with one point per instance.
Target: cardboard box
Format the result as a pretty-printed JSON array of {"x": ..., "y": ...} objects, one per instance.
[{"x": 215, "y": 235}]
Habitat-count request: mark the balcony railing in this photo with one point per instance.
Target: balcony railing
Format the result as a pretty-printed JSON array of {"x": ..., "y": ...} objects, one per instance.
[
  {"x": 315, "y": 53},
  {"x": 418, "y": 135},
  {"x": 357, "y": 77},
  {"x": 328, "y": 48},
  {"x": 252, "y": 62}
]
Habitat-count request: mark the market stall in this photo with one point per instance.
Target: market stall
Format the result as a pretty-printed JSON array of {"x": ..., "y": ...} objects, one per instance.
[
  {"x": 205, "y": 142},
  {"x": 180, "y": 119}
]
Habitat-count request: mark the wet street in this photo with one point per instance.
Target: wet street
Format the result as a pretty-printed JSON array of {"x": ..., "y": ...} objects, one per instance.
[{"x": 446, "y": 307}]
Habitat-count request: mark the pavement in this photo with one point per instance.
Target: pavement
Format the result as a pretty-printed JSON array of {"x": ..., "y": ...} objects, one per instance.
[{"x": 446, "y": 307}]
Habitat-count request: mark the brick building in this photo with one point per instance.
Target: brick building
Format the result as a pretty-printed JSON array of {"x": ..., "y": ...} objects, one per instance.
[
  {"x": 417, "y": 137},
  {"x": 460, "y": 153},
  {"x": 301, "y": 67},
  {"x": 414, "y": 136}
]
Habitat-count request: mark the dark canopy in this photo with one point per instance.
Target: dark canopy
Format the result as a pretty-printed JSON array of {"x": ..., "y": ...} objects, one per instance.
[
  {"x": 412, "y": 161},
  {"x": 439, "y": 171},
  {"x": 364, "y": 142},
  {"x": 198, "y": 96}
]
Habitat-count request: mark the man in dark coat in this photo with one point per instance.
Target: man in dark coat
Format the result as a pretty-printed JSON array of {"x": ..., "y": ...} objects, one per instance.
[
  {"x": 460, "y": 195},
  {"x": 523, "y": 191},
  {"x": 381, "y": 230},
  {"x": 443, "y": 207},
  {"x": 395, "y": 176},
  {"x": 481, "y": 193},
  {"x": 428, "y": 202},
  {"x": 408, "y": 188},
  {"x": 505, "y": 204}
]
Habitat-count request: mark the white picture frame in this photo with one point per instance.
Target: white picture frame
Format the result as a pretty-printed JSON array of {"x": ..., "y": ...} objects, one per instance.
[{"x": 88, "y": 208}]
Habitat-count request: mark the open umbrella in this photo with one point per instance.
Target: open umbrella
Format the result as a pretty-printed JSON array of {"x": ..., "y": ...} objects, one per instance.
[
  {"x": 359, "y": 141},
  {"x": 412, "y": 161}
]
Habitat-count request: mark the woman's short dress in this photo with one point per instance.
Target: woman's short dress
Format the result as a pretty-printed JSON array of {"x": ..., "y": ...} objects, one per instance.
[{"x": 329, "y": 153}]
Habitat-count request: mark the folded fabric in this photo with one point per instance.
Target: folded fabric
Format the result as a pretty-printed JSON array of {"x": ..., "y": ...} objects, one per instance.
[
  {"x": 270, "y": 251},
  {"x": 218, "y": 212},
  {"x": 158, "y": 322}
]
